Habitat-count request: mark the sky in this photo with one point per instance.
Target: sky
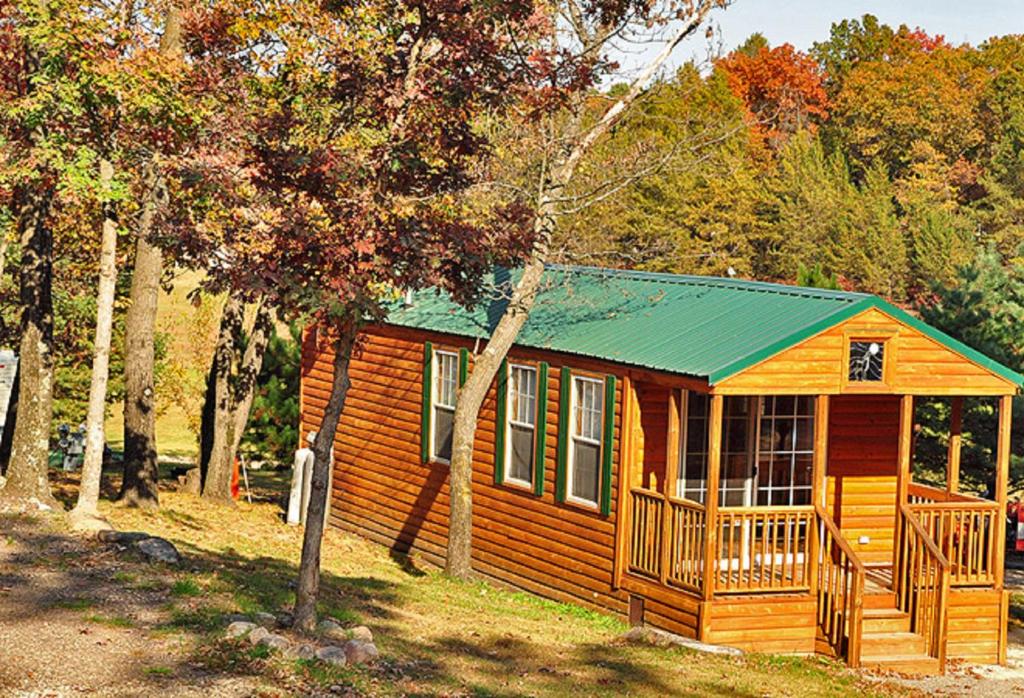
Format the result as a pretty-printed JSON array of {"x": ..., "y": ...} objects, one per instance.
[{"x": 802, "y": 22}]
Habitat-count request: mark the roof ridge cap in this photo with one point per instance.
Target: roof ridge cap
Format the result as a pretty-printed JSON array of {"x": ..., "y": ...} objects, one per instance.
[{"x": 750, "y": 285}]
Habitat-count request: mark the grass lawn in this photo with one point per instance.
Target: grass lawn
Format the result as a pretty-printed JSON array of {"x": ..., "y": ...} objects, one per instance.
[
  {"x": 436, "y": 636},
  {"x": 172, "y": 433}
]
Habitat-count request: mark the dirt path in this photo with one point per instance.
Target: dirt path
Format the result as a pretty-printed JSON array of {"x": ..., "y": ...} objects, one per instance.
[{"x": 73, "y": 622}]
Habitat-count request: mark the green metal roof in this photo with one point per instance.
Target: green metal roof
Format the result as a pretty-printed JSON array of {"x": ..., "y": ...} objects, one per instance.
[{"x": 706, "y": 327}]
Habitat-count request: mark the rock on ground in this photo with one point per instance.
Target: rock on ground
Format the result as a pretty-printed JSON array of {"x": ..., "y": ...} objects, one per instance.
[
  {"x": 257, "y": 634},
  {"x": 158, "y": 550},
  {"x": 239, "y": 628},
  {"x": 277, "y": 642},
  {"x": 661, "y": 638},
  {"x": 359, "y": 652},
  {"x": 330, "y": 630},
  {"x": 267, "y": 620},
  {"x": 332, "y": 655},
  {"x": 303, "y": 651},
  {"x": 361, "y": 632}
]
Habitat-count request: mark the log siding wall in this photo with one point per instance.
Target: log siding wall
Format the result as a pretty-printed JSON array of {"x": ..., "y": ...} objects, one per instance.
[{"x": 383, "y": 490}]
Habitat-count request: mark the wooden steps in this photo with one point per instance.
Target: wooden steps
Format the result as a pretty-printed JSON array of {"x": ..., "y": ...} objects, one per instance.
[
  {"x": 912, "y": 664},
  {"x": 885, "y": 620}
]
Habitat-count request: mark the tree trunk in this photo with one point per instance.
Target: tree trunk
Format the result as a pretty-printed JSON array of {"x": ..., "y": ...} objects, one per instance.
[
  {"x": 458, "y": 559},
  {"x": 139, "y": 487},
  {"x": 30, "y": 449},
  {"x": 309, "y": 568},
  {"x": 5, "y": 243},
  {"x": 217, "y": 481},
  {"x": 230, "y": 393},
  {"x": 244, "y": 389},
  {"x": 92, "y": 465}
]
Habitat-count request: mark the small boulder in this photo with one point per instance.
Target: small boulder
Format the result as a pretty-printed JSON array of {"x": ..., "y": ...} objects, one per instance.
[
  {"x": 239, "y": 628},
  {"x": 257, "y": 634},
  {"x": 277, "y": 642},
  {"x": 303, "y": 651},
  {"x": 285, "y": 619},
  {"x": 122, "y": 537},
  {"x": 330, "y": 630},
  {"x": 332, "y": 655},
  {"x": 236, "y": 617},
  {"x": 158, "y": 550},
  {"x": 359, "y": 652},
  {"x": 362, "y": 633},
  {"x": 266, "y": 620}
]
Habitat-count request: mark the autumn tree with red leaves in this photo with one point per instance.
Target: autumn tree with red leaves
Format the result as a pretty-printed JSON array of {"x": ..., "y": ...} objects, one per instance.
[
  {"x": 782, "y": 88},
  {"x": 361, "y": 148}
]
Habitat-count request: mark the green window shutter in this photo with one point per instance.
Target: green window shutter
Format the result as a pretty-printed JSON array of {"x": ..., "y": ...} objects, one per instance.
[
  {"x": 463, "y": 365},
  {"x": 564, "y": 397},
  {"x": 428, "y": 364},
  {"x": 542, "y": 429},
  {"x": 500, "y": 407},
  {"x": 607, "y": 445}
]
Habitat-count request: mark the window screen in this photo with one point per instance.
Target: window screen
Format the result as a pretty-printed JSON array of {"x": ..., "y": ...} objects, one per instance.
[
  {"x": 522, "y": 420},
  {"x": 587, "y": 413},
  {"x": 446, "y": 370}
]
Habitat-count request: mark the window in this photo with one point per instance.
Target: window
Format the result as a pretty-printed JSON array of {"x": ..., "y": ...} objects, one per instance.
[
  {"x": 785, "y": 454},
  {"x": 522, "y": 423},
  {"x": 867, "y": 361},
  {"x": 446, "y": 370},
  {"x": 694, "y": 452},
  {"x": 585, "y": 446}
]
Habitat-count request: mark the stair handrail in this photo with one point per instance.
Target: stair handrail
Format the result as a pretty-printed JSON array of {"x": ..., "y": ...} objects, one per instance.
[
  {"x": 840, "y": 590},
  {"x": 921, "y": 583}
]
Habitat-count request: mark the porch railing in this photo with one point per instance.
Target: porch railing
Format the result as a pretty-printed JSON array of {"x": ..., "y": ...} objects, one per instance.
[
  {"x": 678, "y": 522},
  {"x": 966, "y": 530},
  {"x": 764, "y": 549},
  {"x": 840, "y": 591},
  {"x": 759, "y": 548},
  {"x": 921, "y": 583}
]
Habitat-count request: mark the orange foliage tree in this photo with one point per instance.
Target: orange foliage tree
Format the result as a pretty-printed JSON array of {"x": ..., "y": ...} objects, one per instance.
[{"x": 782, "y": 89}]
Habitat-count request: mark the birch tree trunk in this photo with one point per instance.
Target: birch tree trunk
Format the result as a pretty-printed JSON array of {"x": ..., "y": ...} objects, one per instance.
[
  {"x": 139, "y": 486},
  {"x": 92, "y": 464},
  {"x": 458, "y": 561},
  {"x": 309, "y": 568}
]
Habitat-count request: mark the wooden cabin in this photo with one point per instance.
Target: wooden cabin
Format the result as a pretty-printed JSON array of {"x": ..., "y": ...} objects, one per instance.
[{"x": 631, "y": 396}]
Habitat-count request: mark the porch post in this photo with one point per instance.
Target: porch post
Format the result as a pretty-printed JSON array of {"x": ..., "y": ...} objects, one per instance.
[
  {"x": 669, "y": 486},
  {"x": 627, "y": 463},
  {"x": 1002, "y": 481},
  {"x": 818, "y": 491},
  {"x": 956, "y": 418},
  {"x": 906, "y": 438},
  {"x": 711, "y": 498}
]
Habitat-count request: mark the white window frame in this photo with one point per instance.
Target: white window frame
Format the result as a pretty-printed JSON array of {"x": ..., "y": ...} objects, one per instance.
[
  {"x": 435, "y": 402},
  {"x": 682, "y": 483},
  {"x": 510, "y": 421},
  {"x": 570, "y": 465}
]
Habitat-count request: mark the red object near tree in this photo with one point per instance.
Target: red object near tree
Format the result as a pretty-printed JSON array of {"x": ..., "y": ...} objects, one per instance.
[{"x": 234, "y": 480}]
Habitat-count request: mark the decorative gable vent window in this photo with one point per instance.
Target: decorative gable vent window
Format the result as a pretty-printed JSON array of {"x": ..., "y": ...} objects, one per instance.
[
  {"x": 867, "y": 359},
  {"x": 522, "y": 422},
  {"x": 446, "y": 368},
  {"x": 585, "y": 450}
]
